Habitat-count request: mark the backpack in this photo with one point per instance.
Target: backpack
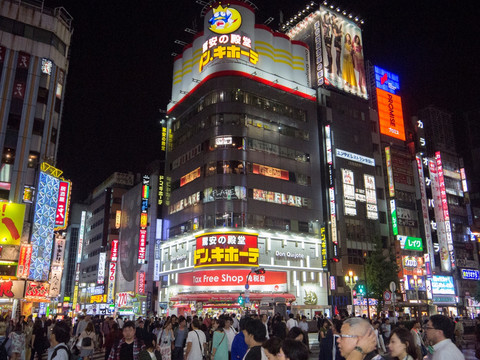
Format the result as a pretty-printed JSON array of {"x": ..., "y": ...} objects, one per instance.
[
  {"x": 86, "y": 341},
  {"x": 3, "y": 350},
  {"x": 70, "y": 355}
]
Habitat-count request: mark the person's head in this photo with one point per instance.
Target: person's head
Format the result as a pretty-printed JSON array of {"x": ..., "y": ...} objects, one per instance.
[
  {"x": 242, "y": 323},
  {"x": 89, "y": 327},
  {"x": 439, "y": 328},
  {"x": 351, "y": 329},
  {"x": 141, "y": 324},
  {"x": 376, "y": 324},
  {"x": 356, "y": 39},
  {"x": 402, "y": 344},
  {"x": 228, "y": 322},
  {"x": 304, "y": 318},
  {"x": 220, "y": 323},
  {"x": 295, "y": 333},
  {"x": 3, "y": 326},
  {"x": 167, "y": 325},
  {"x": 337, "y": 326},
  {"x": 150, "y": 342},
  {"x": 326, "y": 324},
  {"x": 182, "y": 322},
  {"x": 254, "y": 332},
  {"x": 60, "y": 333},
  {"x": 290, "y": 316},
  {"x": 128, "y": 330},
  {"x": 196, "y": 324},
  {"x": 272, "y": 348},
  {"x": 294, "y": 350},
  {"x": 115, "y": 326},
  {"x": 264, "y": 318},
  {"x": 348, "y": 38}
]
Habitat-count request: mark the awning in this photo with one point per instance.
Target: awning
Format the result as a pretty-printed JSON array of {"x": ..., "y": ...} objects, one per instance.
[{"x": 233, "y": 297}]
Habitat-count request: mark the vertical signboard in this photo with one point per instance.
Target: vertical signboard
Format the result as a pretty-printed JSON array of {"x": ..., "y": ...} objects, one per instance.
[
  {"x": 142, "y": 243},
  {"x": 101, "y": 268},
  {"x": 445, "y": 212},
  {"x": 323, "y": 243},
  {"x": 371, "y": 196},
  {"x": 391, "y": 183},
  {"x": 393, "y": 213},
  {"x": 63, "y": 204},
  {"x": 331, "y": 190},
  {"x": 112, "y": 269},
  {"x": 441, "y": 232},
  {"x": 23, "y": 267},
  {"x": 81, "y": 235},
  {"x": 426, "y": 218}
]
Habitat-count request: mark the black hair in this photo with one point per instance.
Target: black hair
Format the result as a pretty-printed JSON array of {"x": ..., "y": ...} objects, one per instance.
[
  {"x": 129, "y": 324},
  {"x": 61, "y": 331},
  {"x": 221, "y": 323},
  {"x": 150, "y": 341},
  {"x": 405, "y": 336},
  {"x": 294, "y": 332},
  {"x": 441, "y": 322},
  {"x": 273, "y": 345},
  {"x": 337, "y": 324},
  {"x": 256, "y": 328},
  {"x": 295, "y": 350}
]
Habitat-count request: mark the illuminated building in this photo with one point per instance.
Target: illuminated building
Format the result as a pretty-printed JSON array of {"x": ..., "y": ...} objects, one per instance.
[
  {"x": 241, "y": 188},
  {"x": 449, "y": 211},
  {"x": 34, "y": 47},
  {"x": 101, "y": 227}
]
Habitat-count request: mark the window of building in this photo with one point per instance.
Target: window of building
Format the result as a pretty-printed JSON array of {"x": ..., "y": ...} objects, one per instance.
[
  {"x": 380, "y": 194},
  {"x": 382, "y": 217},
  {"x": 42, "y": 96}
]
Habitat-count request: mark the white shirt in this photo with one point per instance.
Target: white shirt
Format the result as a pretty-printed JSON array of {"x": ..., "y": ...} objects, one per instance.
[
  {"x": 266, "y": 328},
  {"x": 303, "y": 325},
  {"x": 446, "y": 350},
  {"x": 195, "y": 353},
  {"x": 291, "y": 323},
  {"x": 230, "y": 336}
]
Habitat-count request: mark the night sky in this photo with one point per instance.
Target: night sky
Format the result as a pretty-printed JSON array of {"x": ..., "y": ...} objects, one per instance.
[{"x": 121, "y": 69}]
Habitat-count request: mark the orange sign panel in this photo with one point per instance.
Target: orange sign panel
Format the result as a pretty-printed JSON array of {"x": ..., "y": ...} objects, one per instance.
[{"x": 390, "y": 114}]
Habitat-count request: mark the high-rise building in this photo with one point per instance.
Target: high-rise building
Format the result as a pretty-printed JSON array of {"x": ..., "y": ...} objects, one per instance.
[
  {"x": 244, "y": 171},
  {"x": 34, "y": 58}
]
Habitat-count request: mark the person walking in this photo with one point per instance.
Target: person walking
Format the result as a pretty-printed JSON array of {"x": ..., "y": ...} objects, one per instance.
[
  {"x": 196, "y": 342},
  {"x": 86, "y": 341},
  {"x": 128, "y": 348},
  {"x": 220, "y": 341}
]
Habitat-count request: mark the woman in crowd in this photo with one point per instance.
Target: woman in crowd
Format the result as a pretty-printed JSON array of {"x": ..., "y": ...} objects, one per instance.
[
  {"x": 165, "y": 340},
  {"x": 87, "y": 341},
  {"x": 149, "y": 352},
  {"x": 402, "y": 345},
  {"x": 220, "y": 341}
]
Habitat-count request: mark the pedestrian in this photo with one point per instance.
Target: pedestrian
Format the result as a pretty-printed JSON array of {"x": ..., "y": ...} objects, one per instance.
[
  {"x": 297, "y": 334},
  {"x": 219, "y": 340},
  {"x": 196, "y": 342},
  {"x": 27, "y": 330},
  {"x": 5, "y": 342},
  {"x": 128, "y": 348},
  {"x": 402, "y": 345},
  {"x": 239, "y": 347},
  {"x": 149, "y": 352},
  {"x": 18, "y": 342},
  {"x": 39, "y": 341},
  {"x": 291, "y": 322},
  {"x": 417, "y": 338},
  {"x": 358, "y": 340},
  {"x": 86, "y": 341},
  {"x": 439, "y": 331},
  {"x": 59, "y": 338},
  {"x": 279, "y": 328},
  {"x": 165, "y": 339},
  {"x": 180, "y": 336},
  {"x": 294, "y": 350},
  {"x": 265, "y": 323},
  {"x": 459, "y": 330},
  {"x": 272, "y": 347},
  {"x": 255, "y": 336},
  {"x": 386, "y": 330},
  {"x": 112, "y": 339},
  {"x": 230, "y": 332}
]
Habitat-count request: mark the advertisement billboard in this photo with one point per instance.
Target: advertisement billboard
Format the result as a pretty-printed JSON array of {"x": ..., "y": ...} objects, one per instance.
[
  {"x": 226, "y": 249},
  {"x": 43, "y": 226},
  {"x": 443, "y": 285},
  {"x": 386, "y": 80},
  {"x": 390, "y": 114},
  {"x": 63, "y": 204},
  {"x": 11, "y": 225}
]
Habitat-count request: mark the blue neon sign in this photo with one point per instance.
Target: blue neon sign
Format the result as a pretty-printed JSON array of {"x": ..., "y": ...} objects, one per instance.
[
  {"x": 386, "y": 80},
  {"x": 469, "y": 274}
]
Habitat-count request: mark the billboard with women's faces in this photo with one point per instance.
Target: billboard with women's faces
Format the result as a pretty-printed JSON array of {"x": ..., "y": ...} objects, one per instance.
[{"x": 342, "y": 48}]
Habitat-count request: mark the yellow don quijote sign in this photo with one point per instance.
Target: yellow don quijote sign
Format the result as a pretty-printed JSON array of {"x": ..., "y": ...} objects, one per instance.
[
  {"x": 11, "y": 223},
  {"x": 225, "y": 20}
]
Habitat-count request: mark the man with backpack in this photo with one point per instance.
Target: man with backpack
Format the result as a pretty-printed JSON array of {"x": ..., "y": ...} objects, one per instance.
[{"x": 59, "y": 339}]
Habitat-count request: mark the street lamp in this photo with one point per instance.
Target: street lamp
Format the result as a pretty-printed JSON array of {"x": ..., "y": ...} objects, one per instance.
[
  {"x": 351, "y": 281},
  {"x": 416, "y": 282}
]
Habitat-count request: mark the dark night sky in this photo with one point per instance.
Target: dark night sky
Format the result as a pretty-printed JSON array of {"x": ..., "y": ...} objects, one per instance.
[{"x": 121, "y": 67}]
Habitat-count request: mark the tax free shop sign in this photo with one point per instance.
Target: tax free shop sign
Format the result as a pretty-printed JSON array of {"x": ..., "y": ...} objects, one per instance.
[{"x": 230, "y": 279}]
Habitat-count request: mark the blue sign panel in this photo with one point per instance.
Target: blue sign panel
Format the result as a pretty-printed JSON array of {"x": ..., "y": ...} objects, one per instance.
[
  {"x": 442, "y": 285},
  {"x": 469, "y": 274},
  {"x": 387, "y": 81}
]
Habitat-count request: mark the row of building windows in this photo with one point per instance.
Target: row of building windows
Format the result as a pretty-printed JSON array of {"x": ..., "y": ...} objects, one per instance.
[
  {"x": 236, "y": 220},
  {"x": 31, "y": 32},
  {"x": 244, "y": 97},
  {"x": 94, "y": 239},
  {"x": 238, "y": 167},
  {"x": 184, "y": 134},
  {"x": 96, "y": 224}
]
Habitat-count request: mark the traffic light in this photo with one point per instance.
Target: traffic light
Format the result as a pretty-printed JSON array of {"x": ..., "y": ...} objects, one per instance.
[
  {"x": 240, "y": 300},
  {"x": 361, "y": 289},
  {"x": 260, "y": 271}
]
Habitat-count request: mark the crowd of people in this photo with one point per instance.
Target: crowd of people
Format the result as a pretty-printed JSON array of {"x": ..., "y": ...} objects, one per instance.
[{"x": 227, "y": 337}]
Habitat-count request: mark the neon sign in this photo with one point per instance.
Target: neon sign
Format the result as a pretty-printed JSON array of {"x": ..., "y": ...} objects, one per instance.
[{"x": 225, "y": 20}]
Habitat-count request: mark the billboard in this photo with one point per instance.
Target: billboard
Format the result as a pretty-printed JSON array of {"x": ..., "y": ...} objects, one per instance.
[
  {"x": 226, "y": 249},
  {"x": 43, "y": 226},
  {"x": 241, "y": 48},
  {"x": 443, "y": 285},
  {"x": 386, "y": 80},
  {"x": 11, "y": 225},
  {"x": 63, "y": 204},
  {"x": 390, "y": 114}
]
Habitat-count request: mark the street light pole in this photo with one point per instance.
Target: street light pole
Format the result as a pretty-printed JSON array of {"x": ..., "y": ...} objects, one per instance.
[
  {"x": 416, "y": 283},
  {"x": 351, "y": 281}
]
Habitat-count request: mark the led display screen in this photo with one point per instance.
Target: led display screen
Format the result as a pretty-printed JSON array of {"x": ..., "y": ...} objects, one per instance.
[
  {"x": 390, "y": 114},
  {"x": 443, "y": 285},
  {"x": 386, "y": 80},
  {"x": 11, "y": 224}
]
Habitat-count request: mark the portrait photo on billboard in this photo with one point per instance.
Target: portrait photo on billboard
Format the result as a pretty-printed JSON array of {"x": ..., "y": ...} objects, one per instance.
[{"x": 344, "y": 66}]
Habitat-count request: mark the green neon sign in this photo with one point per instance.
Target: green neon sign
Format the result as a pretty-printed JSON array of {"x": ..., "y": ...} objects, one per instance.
[{"x": 393, "y": 211}]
